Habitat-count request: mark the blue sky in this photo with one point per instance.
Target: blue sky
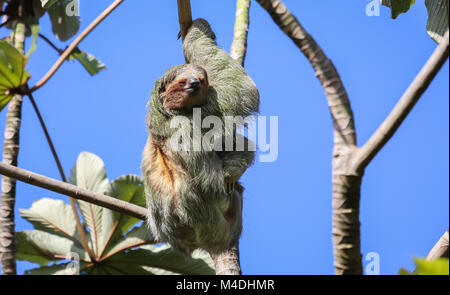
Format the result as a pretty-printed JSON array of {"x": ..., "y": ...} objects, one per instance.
[{"x": 287, "y": 203}]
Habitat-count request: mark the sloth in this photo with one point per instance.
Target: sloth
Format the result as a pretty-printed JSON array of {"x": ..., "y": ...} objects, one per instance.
[{"x": 194, "y": 197}]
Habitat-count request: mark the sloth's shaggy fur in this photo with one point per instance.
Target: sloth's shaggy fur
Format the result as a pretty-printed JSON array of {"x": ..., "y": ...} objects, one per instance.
[{"x": 188, "y": 205}]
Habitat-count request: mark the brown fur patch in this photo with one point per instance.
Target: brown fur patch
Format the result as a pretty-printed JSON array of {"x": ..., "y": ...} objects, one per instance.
[
  {"x": 165, "y": 165},
  {"x": 163, "y": 173}
]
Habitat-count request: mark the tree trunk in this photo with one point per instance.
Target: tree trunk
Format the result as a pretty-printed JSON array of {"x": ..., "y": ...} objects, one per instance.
[
  {"x": 346, "y": 181},
  {"x": 10, "y": 155}
]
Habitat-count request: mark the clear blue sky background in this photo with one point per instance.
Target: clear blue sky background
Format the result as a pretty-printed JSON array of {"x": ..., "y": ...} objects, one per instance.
[{"x": 287, "y": 207}]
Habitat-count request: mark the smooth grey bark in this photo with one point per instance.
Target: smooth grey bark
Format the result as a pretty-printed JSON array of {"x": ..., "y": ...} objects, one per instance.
[
  {"x": 440, "y": 250},
  {"x": 73, "y": 191},
  {"x": 349, "y": 161}
]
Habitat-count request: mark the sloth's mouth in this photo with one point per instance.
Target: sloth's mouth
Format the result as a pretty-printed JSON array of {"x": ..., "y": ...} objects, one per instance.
[{"x": 191, "y": 89}]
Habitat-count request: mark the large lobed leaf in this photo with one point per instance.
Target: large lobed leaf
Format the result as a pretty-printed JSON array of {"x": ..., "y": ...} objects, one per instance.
[
  {"x": 136, "y": 237},
  {"x": 89, "y": 173},
  {"x": 164, "y": 260},
  {"x": 58, "y": 269},
  {"x": 120, "y": 250},
  {"x": 12, "y": 71},
  {"x": 437, "y": 23},
  {"x": 42, "y": 248},
  {"x": 52, "y": 216},
  {"x": 128, "y": 188},
  {"x": 64, "y": 25}
]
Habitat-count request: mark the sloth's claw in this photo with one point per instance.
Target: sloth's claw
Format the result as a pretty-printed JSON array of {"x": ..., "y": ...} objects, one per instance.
[{"x": 230, "y": 185}]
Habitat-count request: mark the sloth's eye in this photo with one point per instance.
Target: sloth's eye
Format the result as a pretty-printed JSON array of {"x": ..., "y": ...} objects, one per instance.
[{"x": 182, "y": 83}]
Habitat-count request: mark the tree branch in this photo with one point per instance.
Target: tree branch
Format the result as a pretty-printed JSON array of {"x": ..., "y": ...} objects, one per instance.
[
  {"x": 72, "y": 191},
  {"x": 388, "y": 128},
  {"x": 346, "y": 183},
  {"x": 184, "y": 16},
  {"x": 74, "y": 44},
  {"x": 337, "y": 97},
  {"x": 239, "y": 46},
  {"x": 228, "y": 262},
  {"x": 440, "y": 250}
]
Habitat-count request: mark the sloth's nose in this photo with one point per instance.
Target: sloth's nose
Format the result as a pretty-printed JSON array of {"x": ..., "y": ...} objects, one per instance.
[{"x": 194, "y": 82}]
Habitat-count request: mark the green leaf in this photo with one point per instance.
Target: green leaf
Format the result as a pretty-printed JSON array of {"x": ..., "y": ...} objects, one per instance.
[
  {"x": 56, "y": 269},
  {"x": 39, "y": 11},
  {"x": 128, "y": 188},
  {"x": 404, "y": 272},
  {"x": 437, "y": 23},
  {"x": 89, "y": 173},
  {"x": 64, "y": 26},
  {"x": 12, "y": 72},
  {"x": 88, "y": 61},
  {"x": 432, "y": 267},
  {"x": 166, "y": 258},
  {"x": 137, "y": 236},
  {"x": 52, "y": 216},
  {"x": 42, "y": 248},
  {"x": 398, "y": 6},
  {"x": 110, "y": 268},
  {"x": 47, "y": 3}
]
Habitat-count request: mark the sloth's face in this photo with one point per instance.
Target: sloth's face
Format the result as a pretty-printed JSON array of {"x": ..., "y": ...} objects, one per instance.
[{"x": 186, "y": 91}]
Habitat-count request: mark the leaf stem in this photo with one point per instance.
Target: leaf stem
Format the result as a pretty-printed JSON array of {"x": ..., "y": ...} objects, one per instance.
[
  {"x": 80, "y": 228},
  {"x": 74, "y": 44}
]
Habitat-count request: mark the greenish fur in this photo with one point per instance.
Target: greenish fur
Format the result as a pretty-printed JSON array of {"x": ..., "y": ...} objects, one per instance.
[{"x": 203, "y": 200}]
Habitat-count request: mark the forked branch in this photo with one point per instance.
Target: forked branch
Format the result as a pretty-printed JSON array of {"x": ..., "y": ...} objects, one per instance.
[{"x": 420, "y": 83}]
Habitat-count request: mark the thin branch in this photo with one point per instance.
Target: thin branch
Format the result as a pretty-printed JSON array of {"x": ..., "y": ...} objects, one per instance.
[
  {"x": 59, "y": 50},
  {"x": 440, "y": 250},
  {"x": 239, "y": 46},
  {"x": 80, "y": 228},
  {"x": 74, "y": 44},
  {"x": 184, "y": 16},
  {"x": 73, "y": 191},
  {"x": 421, "y": 82}
]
